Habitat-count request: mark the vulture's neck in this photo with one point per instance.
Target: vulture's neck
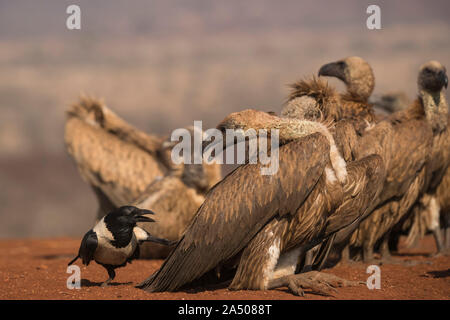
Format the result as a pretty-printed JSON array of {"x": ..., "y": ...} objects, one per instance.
[
  {"x": 360, "y": 89},
  {"x": 435, "y": 108},
  {"x": 355, "y": 102}
]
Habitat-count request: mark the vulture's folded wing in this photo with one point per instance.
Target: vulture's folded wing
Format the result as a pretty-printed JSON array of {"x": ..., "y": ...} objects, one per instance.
[
  {"x": 238, "y": 207},
  {"x": 364, "y": 184}
]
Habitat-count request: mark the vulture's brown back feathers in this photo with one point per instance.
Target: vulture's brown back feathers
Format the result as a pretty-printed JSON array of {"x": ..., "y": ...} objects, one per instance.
[{"x": 324, "y": 95}]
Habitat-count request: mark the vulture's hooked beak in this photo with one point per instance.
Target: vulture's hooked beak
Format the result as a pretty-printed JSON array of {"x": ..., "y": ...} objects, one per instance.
[{"x": 333, "y": 69}]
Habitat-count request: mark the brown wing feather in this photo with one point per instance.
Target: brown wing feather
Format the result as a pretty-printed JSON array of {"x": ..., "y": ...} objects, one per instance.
[
  {"x": 365, "y": 182},
  {"x": 238, "y": 207},
  {"x": 313, "y": 222},
  {"x": 438, "y": 175},
  {"x": 404, "y": 147}
]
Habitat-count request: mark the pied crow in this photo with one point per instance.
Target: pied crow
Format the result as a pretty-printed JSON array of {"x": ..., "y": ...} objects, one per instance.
[{"x": 115, "y": 239}]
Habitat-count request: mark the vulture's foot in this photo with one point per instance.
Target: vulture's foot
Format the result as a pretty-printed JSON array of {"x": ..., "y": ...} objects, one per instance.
[{"x": 316, "y": 282}]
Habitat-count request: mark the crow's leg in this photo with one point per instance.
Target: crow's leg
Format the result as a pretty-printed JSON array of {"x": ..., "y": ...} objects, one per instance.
[{"x": 111, "y": 274}]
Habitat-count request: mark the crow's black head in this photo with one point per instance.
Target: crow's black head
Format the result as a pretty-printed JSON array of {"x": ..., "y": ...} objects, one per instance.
[
  {"x": 129, "y": 215},
  {"x": 121, "y": 222}
]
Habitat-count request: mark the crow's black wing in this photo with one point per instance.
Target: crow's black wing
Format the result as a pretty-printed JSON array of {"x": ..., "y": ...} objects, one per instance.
[{"x": 88, "y": 247}]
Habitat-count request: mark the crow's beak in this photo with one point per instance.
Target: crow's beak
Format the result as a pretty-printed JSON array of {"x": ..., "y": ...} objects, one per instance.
[
  {"x": 143, "y": 219},
  {"x": 140, "y": 215},
  {"x": 334, "y": 69}
]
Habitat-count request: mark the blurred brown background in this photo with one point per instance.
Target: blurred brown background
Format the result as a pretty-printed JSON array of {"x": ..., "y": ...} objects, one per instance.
[{"x": 163, "y": 64}]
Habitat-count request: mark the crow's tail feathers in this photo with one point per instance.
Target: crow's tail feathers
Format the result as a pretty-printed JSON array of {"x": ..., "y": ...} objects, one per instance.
[
  {"x": 75, "y": 259},
  {"x": 165, "y": 242}
]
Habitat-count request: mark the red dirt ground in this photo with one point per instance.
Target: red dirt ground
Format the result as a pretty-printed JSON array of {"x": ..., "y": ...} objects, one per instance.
[{"x": 36, "y": 269}]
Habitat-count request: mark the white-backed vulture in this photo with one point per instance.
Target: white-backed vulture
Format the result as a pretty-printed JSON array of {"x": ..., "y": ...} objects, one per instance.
[
  {"x": 415, "y": 151},
  {"x": 427, "y": 217},
  {"x": 264, "y": 222},
  {"x": 403, "y": 146},
  {"x": 115, "y": 159},
  {"x": 126, "y": 166},
  {"x": 350, "y": 112},
  {"x": 433, "y": 210},
  {"x": 314, "y": 99}
]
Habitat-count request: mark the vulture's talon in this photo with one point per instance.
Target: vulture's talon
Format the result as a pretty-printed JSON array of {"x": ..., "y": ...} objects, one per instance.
[
  {"x": 295, "y": 289},
  {"x": 323, "y": 284}
]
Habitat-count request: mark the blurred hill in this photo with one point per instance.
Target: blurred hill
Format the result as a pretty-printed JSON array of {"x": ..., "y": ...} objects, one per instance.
[{"x": 163, "y": 64}]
